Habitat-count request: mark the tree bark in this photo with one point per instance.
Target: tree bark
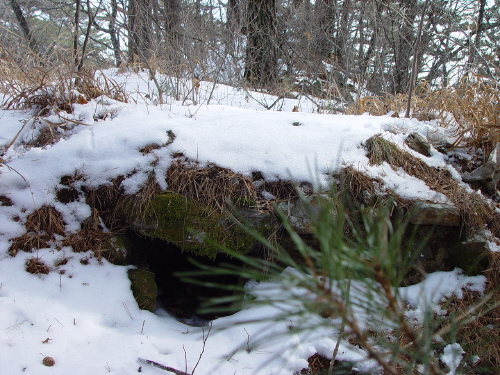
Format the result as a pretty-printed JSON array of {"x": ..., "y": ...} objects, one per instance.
[
  {"x": 139, "y": 46},
  {"x": 33, "y": 44},
  {"x": 113, "y": 35},
  {"x": 261, "y": 63}
]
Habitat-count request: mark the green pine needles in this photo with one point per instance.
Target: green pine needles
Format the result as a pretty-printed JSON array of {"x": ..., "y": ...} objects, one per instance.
[{"x": 343, "y": 282}]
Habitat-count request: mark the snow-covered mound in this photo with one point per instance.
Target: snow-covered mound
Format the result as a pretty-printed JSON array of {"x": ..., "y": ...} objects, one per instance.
[{"x": 84, "y": 315}]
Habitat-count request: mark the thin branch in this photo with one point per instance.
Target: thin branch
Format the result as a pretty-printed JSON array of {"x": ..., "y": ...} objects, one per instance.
[{"x": 162, "y": 367}]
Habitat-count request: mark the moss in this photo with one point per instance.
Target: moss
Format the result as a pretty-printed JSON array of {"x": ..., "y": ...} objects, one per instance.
[
  {"x": 115, "y": 250},
  {"x": 185, "y": 222},
  {"x": 244, "y": 202},
  {"x": 380, "y": 150},
  {"x": 144, "y": 288},
  {"x": 471, "y": 257}
]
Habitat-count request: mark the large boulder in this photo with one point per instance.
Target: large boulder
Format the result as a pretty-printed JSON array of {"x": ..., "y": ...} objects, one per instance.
[{"x": 187, "y": 223}]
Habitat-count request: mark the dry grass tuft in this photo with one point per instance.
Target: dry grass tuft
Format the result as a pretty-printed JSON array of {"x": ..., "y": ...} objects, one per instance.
[
  {"x": 41, "y": 226},
  {"x": 88, "y": 240},
  {"x": 476, "y": 211},
  {"x": 29, "y": 242},
  {"x": 470, "y": 109},
  {"x": 138, "y": 202},
  {"x": 481, "y": 335},
  {"x": 5, "y": 201},
  {"x": 36, "y": 266},
  {"x": 45, "y": 220},
  {"x": 105, "y": 199},
  {"x": 317, "y": 363},
  {"x": 211, "y": 185},
  {"x": 52, "y": 90},
  {"x": 284, "y": 190},
  {"x": 359, "y": 185}
]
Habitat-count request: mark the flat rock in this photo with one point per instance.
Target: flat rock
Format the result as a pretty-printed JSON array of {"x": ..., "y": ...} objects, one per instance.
[
  {"x": 418, "y": 143},
  {"x": 425, "y": 213}
]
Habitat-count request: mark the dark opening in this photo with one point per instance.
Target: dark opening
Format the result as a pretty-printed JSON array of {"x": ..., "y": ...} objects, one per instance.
[{"x": 179, "y": 298}]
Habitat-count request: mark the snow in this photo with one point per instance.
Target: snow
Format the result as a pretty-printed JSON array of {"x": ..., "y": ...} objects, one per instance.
[
  {"x": 452, "y": 357},
  {"x": 87, "y": 311}
]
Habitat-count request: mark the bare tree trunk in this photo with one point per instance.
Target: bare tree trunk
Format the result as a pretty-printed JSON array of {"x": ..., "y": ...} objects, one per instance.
[
  {"x": 233, "y": 14},
  {"x": 402, "y": 47},
  {"x": 139, "y": 30},
  {"x": 24, "y": 26},
  {"x": 76, "y": 33},
  {"x": 415, "y": 59},
  {"x": 474, "y": 50},
  {"x": 261, "y": 63},
  {"x": 325, "y": 15},
  {"x": 115, "y": 40}
]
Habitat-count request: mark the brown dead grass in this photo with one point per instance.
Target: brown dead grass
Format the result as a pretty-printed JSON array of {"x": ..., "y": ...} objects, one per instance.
[
  {"x": 211, "y": 185},
  {"x": 317, "y": 365},
  {"x": 41, "y": 226},
  {"x": 470, "y": 109},
  {"x": 48, "y": 135},
  {"x": 35, "y": 89},
  {"x": 36, "y": 266},
  {"x": 45, "y": 220},
  {"x": 29, "y": 242},
  {"x": 479, "y": 331},
  {"x": 359, "y": 184},
  {"x": 476, "y": 211},
  {"x": 105, "y": 199}
]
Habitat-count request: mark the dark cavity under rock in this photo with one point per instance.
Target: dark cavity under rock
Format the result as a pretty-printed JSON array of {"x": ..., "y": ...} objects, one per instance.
[{"x": 167, "y": 261}]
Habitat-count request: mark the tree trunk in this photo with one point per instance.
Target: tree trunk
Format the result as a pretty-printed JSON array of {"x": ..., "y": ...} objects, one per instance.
[
  {"x": 139, "y": 30},
  {"x": 115, "y": 40},
  {"x": 325, "y": 15},
  {"x": 76, "y": 33},
  {"x": 402, "y": 48},
  {"x": 233, "y": 14},
  {"x": 474, "y": 50},
  {"x": 261, "y": 65},
  {"x": 24, "y": 27}
]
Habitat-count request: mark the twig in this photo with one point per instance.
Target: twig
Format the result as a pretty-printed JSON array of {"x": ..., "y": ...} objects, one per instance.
[
  {"x": 248, "y": 341},
  {"x": 205, "y": 338},
  {"x": 161, "y": 367},
  {"x": 127, "y": 310},
  {"x": 341, "y": 332}
]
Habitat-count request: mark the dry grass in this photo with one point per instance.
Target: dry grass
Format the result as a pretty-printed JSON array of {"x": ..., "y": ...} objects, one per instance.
[
  {"x": 53, "y": 90},
  {"x": 90, "y": 240},
  {"x": 317, "y": 365},
  {"x": 211, "y": 185},
  {"x": 36, "y": 266},
  {"x": 105, "y": 199},
  {"x": 29, "y": 242},
  {"x": 41, "y": 226},
  {"x": 476, "y": 211},
  {"x": 45, "y": 223},
  {"x": 45, "y": 220},
  {"x": 481, "y": 335},
  {"x": 49, "y": 134},
  {"x": 359, "y": 185},
  {"x": 470, "y": 109}
]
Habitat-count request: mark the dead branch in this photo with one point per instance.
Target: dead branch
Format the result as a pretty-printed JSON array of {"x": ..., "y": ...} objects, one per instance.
[{"x": 162, "y": 367}]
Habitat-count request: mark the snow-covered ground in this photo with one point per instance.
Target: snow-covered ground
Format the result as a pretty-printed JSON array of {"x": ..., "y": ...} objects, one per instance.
[{"x": 86, "y": 317}]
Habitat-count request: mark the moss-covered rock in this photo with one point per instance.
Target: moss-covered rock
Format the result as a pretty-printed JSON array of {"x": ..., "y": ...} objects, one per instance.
[
  {"x": 144, "y": 288},
  {"x": 115, "y": 250},
  {"x": 186, "y": 223}
]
